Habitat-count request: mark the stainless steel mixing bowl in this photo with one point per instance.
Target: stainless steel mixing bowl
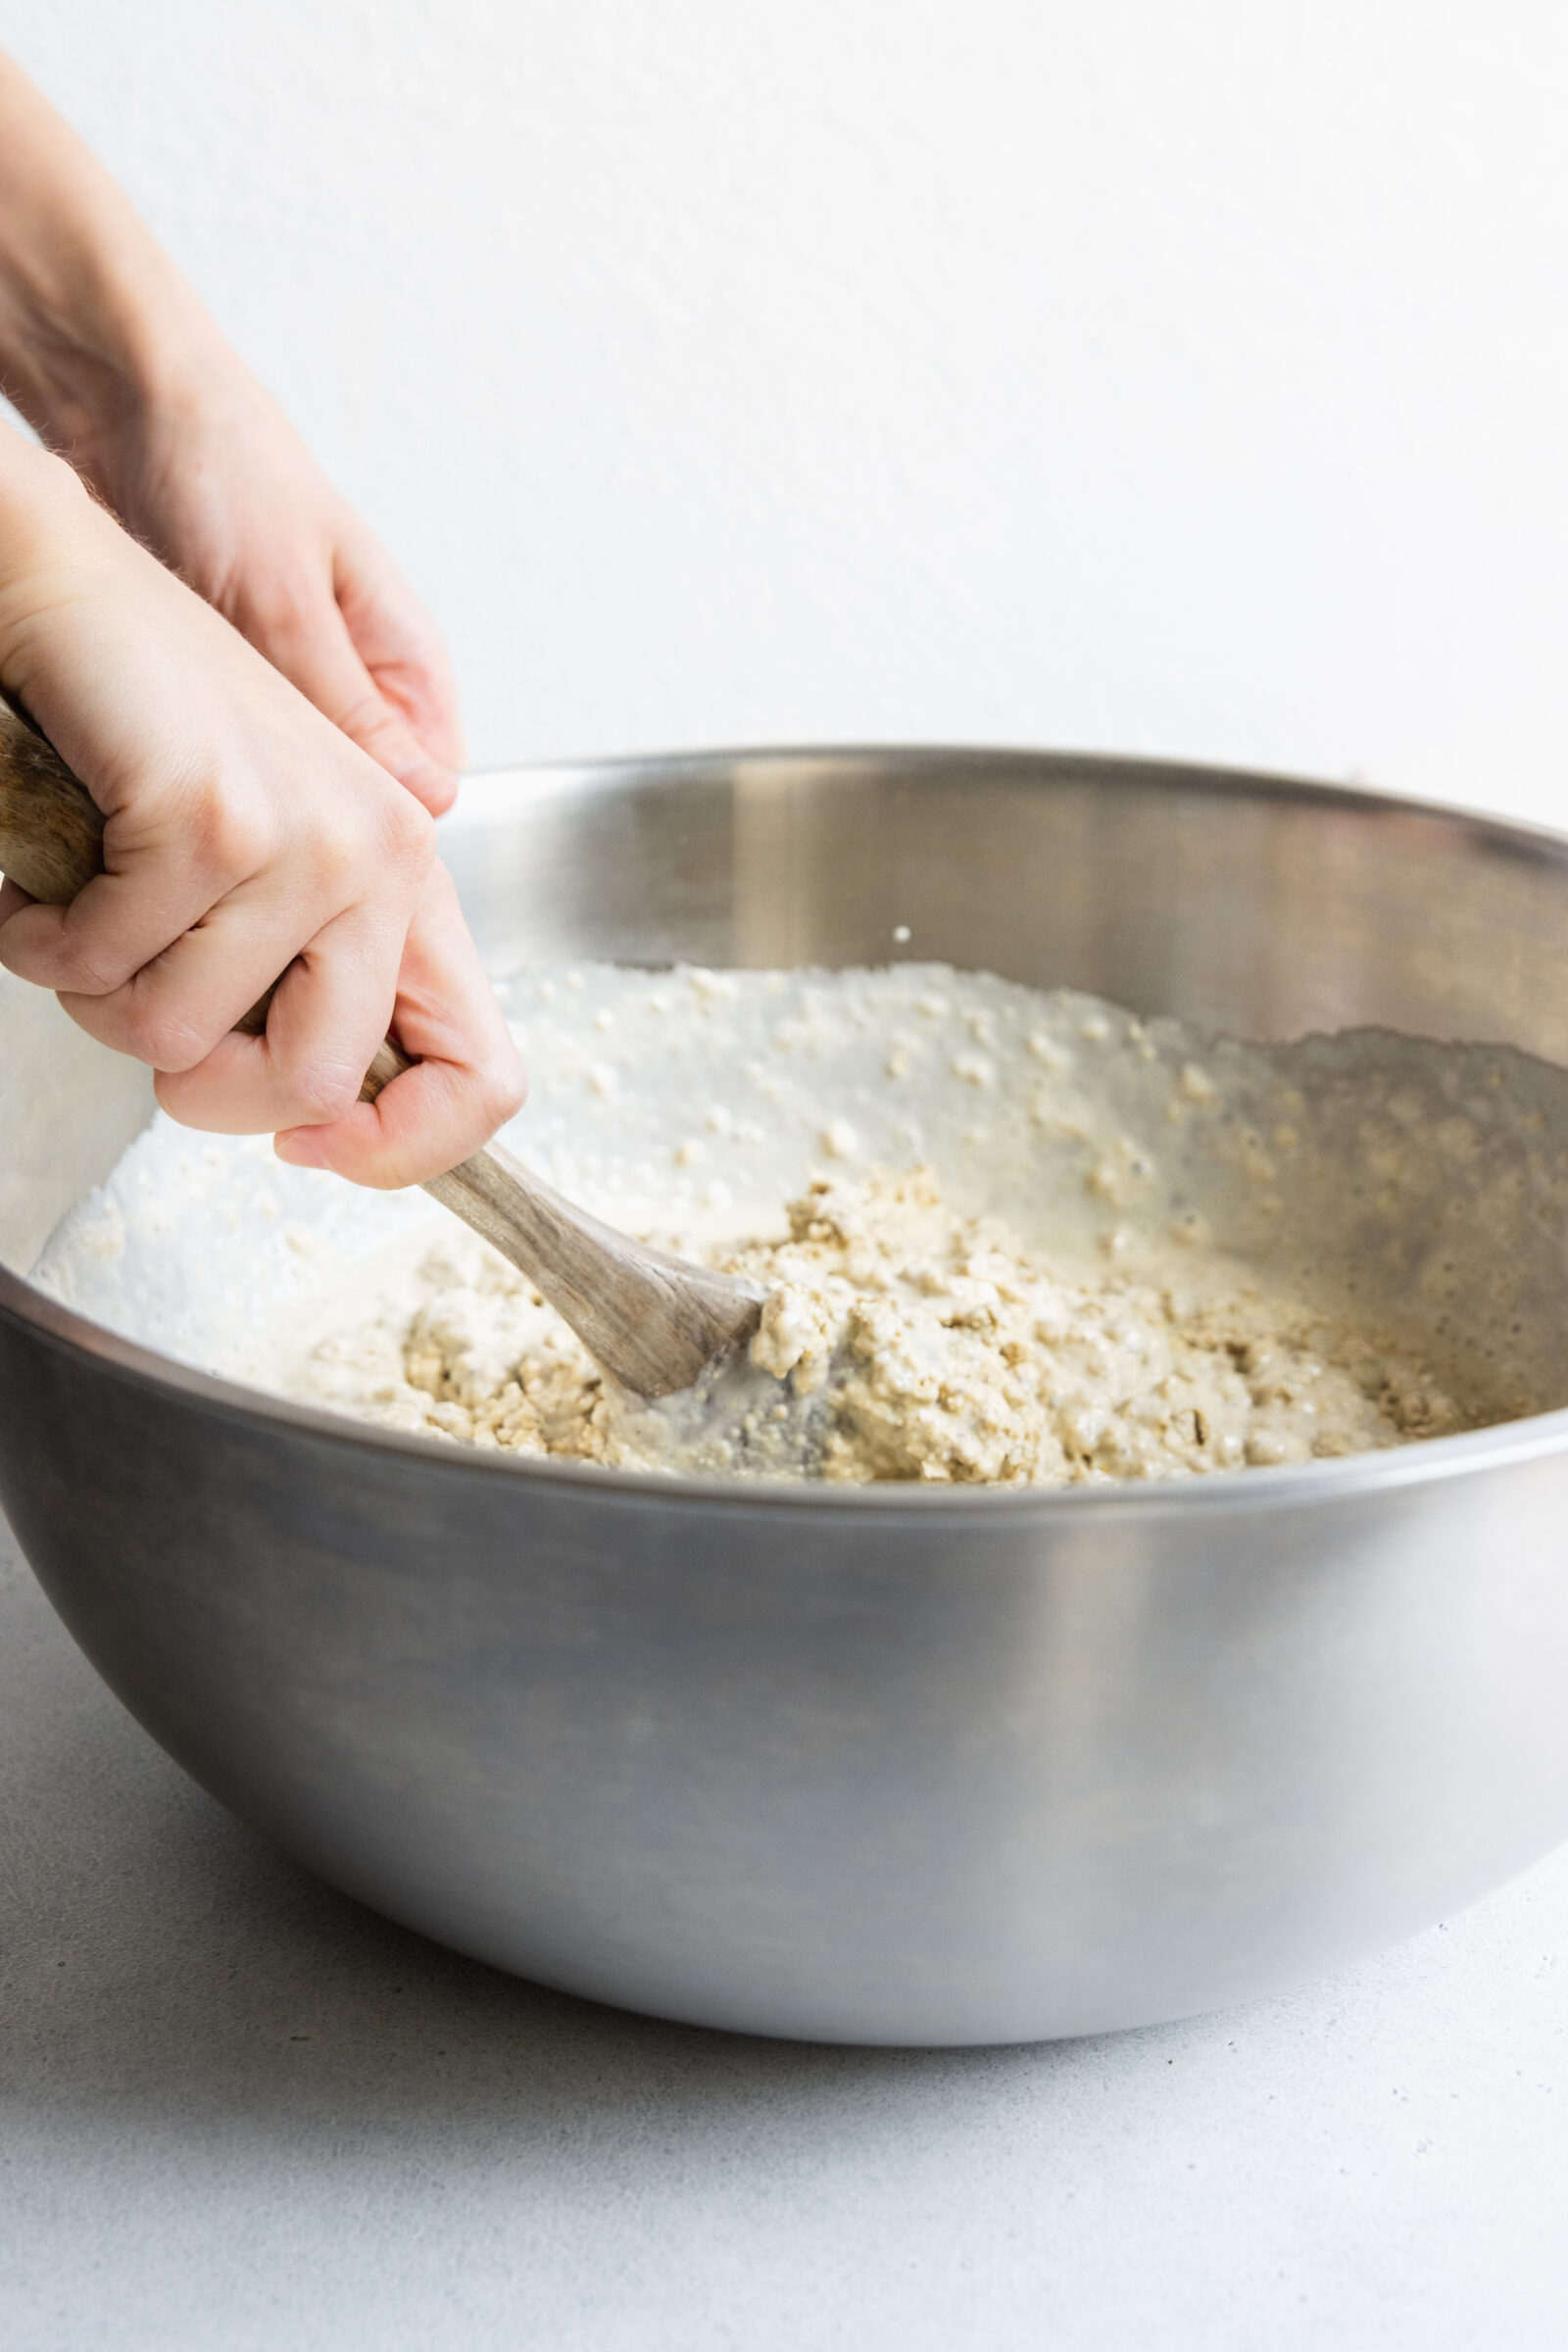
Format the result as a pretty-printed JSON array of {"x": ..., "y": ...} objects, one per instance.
[{"x": 876, "y": 1765}]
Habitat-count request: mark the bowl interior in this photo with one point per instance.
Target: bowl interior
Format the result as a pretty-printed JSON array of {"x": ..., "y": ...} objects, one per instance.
[{"x": 1247, "y": 904}]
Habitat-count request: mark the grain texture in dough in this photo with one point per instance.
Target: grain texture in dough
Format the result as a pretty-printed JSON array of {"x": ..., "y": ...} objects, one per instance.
[{"x": 900, "y": 1341}]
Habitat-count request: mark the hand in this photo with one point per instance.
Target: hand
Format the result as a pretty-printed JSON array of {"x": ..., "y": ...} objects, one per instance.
[
  {"x": 245, "y": 837},
  {"x": 214, "y": 480},
  {"x": 106, "y": 349}
]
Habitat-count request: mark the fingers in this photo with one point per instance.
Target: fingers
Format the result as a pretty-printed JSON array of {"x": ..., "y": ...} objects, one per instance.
[
  {"x": 170, "y": 866},
  {"x": 173, "y": 850},
  {"x": 398, "y": 642},
  {"x": 245, "y": 836},
  {"x": 316, "y": 652},
  {"x": 175, "y": 1011},
  {"x": 161, "y": 957},
  {"x": 467, "y": 1080},
  {"x": 360, "y": 646},
  {"x": 330, "y": 1015},
  {"x": 222, "y": 489}
]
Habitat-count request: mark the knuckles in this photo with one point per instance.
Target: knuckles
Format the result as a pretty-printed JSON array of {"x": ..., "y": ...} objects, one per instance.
[
  {"x": 409, "y": 834},
  {"x": 280, "y": 608},
  {"x": 374, "y": 843},
  {"x": 87, "y": 967},
  {"x": 314, "y": 1092},
  {"x": 503, "y": 1092},
  {"x": 226, "y": 840},
  {"x": 43, "y": 946},
  {"x": 163, "y": 1038}
]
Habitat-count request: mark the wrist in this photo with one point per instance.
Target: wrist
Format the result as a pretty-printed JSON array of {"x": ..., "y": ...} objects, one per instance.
[
  {"x": 32, "y": 482},
  {"x": 95, "y": 320},
  {"x": 105, "y": 379},
  {"x": 44, "y": 513},
  {"x": 96, "y": 344}
]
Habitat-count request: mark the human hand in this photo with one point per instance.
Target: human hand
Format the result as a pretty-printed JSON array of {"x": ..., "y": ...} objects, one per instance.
[
  {"x": 209, "y": 473},
  {"x": 107, "y": 351},
  {"x": 245, "y": 837}
]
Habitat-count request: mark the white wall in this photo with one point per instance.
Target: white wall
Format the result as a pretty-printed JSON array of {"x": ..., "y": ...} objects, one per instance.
[{"x": 1191, "y": 379}]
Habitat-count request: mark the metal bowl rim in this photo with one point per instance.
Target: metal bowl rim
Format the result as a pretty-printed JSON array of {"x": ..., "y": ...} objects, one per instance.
[
  {"x": 1472, "y": 1452},
  {"x": 1513, "y": 834}
]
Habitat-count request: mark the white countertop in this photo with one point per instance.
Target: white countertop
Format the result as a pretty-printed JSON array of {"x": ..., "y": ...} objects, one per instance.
[{"x": 238, "y": 2111}]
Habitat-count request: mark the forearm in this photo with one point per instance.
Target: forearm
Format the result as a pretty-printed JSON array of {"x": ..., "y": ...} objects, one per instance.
[
  {"x": 107, "y": 353},
  {"x": 95, "y": 320}
]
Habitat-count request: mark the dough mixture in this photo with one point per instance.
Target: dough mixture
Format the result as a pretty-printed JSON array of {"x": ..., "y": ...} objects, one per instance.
[
  {"x": 899, "y": 1340},
  {"x": 1005, "y": 1237}
]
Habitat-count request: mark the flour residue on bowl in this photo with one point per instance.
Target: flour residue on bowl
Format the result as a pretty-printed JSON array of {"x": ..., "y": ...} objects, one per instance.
[{"x": 1005, "y": 1237}]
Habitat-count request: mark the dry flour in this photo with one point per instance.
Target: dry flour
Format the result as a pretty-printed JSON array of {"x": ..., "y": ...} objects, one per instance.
[{"x": 1006, "y": 1236}]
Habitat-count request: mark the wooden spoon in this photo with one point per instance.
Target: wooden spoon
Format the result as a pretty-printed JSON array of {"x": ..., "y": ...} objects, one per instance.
[{"x": 650, "y": 1319}]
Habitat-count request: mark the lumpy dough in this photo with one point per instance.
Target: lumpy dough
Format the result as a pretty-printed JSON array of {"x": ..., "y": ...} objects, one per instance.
[
  {"x": 1006, "y": 1236},
  {"x": 900, "y": 1340}
]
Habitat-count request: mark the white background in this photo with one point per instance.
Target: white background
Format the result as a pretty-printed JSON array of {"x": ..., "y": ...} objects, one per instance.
[{"x": 1094, "y": 373}]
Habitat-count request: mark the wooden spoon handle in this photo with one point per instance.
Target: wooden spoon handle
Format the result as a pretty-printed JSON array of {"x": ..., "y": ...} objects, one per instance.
[
  {"x": 651, "y": 1319},
  {"x": 51, "y": 828},
  {"x": 654, "y": 1320}
]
